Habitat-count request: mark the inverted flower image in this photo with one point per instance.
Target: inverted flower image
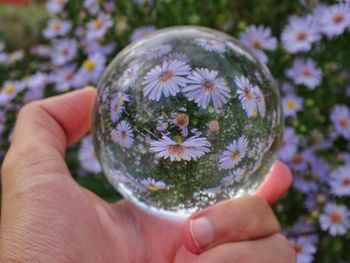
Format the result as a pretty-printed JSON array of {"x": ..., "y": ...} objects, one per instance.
[
  {"x": 234, "y": 153},
  {"x": 165, "y": 79},
  {"x": 192, "y": 148},
  {"x": 205, "y": 86}
]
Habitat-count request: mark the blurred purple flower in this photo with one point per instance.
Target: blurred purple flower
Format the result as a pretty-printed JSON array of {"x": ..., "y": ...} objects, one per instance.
[
  {"x": 304, "y": 247},
  {"x": 289, "y": 145},
  {"x": 141, "y": 32},
  {"x": 9, "y": 90},
  {"x": 87, "y": 156},
  {"x": 90, "y": 71},
  {"x": 91, "y": 47},
  {"x": 57, "y": 27},
  {"x": 63, "y": 51},
  {"x": 97, "y": 28},
  {"x": 92, "y": 6},
  {"x": 340, "y": 181},
  {"x": 55, "y": 6},
  {"x": 291, "y": 105},
  {"x": 334, "y": 19},
  {"x": 335, "y": 219},
  {"x": 259, "y": 38},
  {"x": 299, "y": 34},
  {"x": 305, "y": 72},
  {"x": 340, "y": 116},
  {"x": 35, "y": 86},
  {"x": 63, "y": 78}
]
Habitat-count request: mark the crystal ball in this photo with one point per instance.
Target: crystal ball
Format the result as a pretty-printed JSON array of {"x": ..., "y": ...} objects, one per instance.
[{"x": 184, "y": 118}]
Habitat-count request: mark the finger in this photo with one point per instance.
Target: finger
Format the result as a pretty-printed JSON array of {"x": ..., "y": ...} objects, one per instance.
[
  {"x": 277, "y": 183},
  {"x": 244, "y": 218},
  {"x": 272, "y": 249},
  {"x": 43, "y": 130}
]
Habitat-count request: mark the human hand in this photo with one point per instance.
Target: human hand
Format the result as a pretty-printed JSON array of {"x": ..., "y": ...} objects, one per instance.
[{"x": 47, "y": 217}]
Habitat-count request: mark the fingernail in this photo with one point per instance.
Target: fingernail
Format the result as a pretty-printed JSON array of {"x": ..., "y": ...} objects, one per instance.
[{"x": 202, "y": 232}]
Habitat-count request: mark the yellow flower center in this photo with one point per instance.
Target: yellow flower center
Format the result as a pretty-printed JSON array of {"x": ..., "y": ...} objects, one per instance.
[
  {"x": 153, "y": 187},
  {"x": 56, "y": 26},
  {"x": 89, "y": 65},
  {"x": 297, "y": 159},
  {"x": 290, "y": 104},
  {"x": 97, "y": 23},
  {"x": 9, "y": 89}
]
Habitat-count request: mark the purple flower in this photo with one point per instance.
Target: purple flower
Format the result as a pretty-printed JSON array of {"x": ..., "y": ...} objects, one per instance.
[
  {"x": 334, "y": 19},
  {"x": 64, "y": 50},
  {"x": 35, "y": 86},
  {"x": 304, "y": 248},
  {"x": 123, "y": 134},
  {"x": 153, "y": 185},
  {"x": 91, "y": 69},
  {"x": 9, "y": 90},
  {"x": 92, "y": 6},
  {"x": 63, "y": 78},
  {"x": 97, "y": 28},
  {"x": 291, "y": 105},
  {"x": 165, "y": 79},
  {"x": 335, "y": 219},
  {"x": 340, "y": 181},
  {"x": 87, "y": 156},
  {"x": 340, "y": 116},
  {"x": 246, "y": 95},
  {"x": 299, "y": 34},
  {"x": 205, "y": 86},
  {"x": 92, "y": 46},
  {"x": 190, "y": 149},
  {"x": 55, "y": 6},
  {"x": 259, "y": 38},
  {"x": 305, "y": 72},
  {"x": 234, "y": 153},
  {"x": 57, "y": 27},
  {"x": 141, "y": 32},
  {"x": 289, "y": 145}
]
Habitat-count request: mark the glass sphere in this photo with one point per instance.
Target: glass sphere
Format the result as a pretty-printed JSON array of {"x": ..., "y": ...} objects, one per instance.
[{"x": 184, "y": 118}]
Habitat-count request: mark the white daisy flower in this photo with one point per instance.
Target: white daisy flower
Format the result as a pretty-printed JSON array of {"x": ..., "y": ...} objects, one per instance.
[
  {"x": 117, "y": 106},
  {"x": 158, "y": 51},
  {"x": 204, "y": 86},
  {"x": 165, "y": 79},
  {"x": 153, "y": 185},
  {"x": 211, "y": 45},
  {"x": 234, "y": 153},
  {"x": 123, "y": 134},
  {"x": 192, "y": 148},
  {"x": 87, "y": 156},
  {"x": 246, "y": 95}
]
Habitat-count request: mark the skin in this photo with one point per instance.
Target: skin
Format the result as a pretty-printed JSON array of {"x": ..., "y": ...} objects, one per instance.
[{"x": 47, "y": 217}]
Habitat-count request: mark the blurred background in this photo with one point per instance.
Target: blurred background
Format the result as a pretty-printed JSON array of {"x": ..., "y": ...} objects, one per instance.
[{"x": 50, "y": 47}]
